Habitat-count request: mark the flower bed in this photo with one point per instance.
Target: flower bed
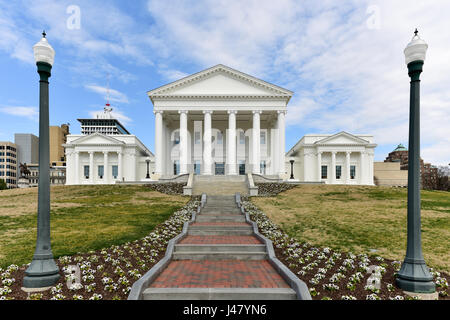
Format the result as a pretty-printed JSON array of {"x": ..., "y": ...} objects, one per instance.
[
  {"x": 272, "y": 188},
  {"x": 106, "y": 274},
  {"x": 333, "y": 275},
  {"x": 168, "y": 188}
]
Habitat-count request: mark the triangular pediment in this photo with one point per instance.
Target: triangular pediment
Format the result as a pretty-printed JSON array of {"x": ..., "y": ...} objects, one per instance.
[
  {"x": 97, "y": 138},
  {"x": 217, "y": 81},
  {"x": 342, "y": 138}
]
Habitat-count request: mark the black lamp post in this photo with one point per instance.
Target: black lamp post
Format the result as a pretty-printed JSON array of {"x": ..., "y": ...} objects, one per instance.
[
  {"x": 414, "y": 275},
  {"x": 148, "y": 170},
  {"x": 292, "y": 169},
  {"x": 43, "y": 271}
]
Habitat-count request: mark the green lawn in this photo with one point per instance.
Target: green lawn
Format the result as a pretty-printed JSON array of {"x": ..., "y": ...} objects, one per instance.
[
  {"x": 358, "y": 219},
  {"x": 83, "y": 218}
]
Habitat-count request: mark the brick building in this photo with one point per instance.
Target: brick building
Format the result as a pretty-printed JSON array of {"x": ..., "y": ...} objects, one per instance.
[{"x": 429, "y": 173}]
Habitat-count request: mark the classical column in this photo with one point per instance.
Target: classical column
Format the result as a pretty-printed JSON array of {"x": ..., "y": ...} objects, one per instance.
[
  {"x": 91, "y": 167},
  {"x": 183, "y": 142},
  {"x": 105, "y": 167},
  {"x": 361, "y": 169},
  {"x": 207, "y": 161},
  {"x": 256, "y": 142},
  {"x": 347, "y": 167},
  {"x": 119, "y": 166},
  {"x": 282, "y": 141},
  {"x": 158, "y": 141},
  {"x": 333, "y": 167},
  {"x": 231, "y": 145},
  {"x": 319, "y": 166},
  {"x": 77, "y": 167}
]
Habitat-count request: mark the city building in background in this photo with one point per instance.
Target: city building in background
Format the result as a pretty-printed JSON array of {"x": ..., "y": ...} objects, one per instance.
[
  {"x": 57, "y": 175},
  {"x": 104, "y": 124},
  {"x": 27, "y": 148},
  {"x": 58, "y": 137},
  {"x": 428, "y": 172},
  {"x": 8, "y": 163}
]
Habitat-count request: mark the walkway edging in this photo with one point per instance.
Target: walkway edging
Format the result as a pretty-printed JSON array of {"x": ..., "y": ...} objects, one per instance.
[
  {"x": 296, "y": 284},
  {"x": 140, "y": 285}
]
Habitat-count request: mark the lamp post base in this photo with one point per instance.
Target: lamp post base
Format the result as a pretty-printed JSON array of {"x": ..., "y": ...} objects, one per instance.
[
  {"x": 41, "y": 273},
  {"x": 415, "y": 277}
]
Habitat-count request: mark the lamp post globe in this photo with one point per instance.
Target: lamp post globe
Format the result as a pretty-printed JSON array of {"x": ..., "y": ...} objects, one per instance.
[
  {"x": 43, "y": 271},
  {"x": 414, "y": 275}
]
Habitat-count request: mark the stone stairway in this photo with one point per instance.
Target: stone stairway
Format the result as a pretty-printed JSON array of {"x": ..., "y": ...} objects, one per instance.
[
  {"x": 220, "y": 185},
  {"x": 220, "y": 258}
]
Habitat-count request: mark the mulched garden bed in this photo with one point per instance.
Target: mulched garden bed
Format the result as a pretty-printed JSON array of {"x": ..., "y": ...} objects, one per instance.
[
  {"x": 272, "y": 188},
  {"x": 167, "y": 188}
]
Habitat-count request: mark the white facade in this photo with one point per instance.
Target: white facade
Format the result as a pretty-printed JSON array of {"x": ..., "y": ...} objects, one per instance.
[
  {"x": 104, "y": 159},
  {"x": 219, "y": 121},
  {"x": 341, "y": 158}
]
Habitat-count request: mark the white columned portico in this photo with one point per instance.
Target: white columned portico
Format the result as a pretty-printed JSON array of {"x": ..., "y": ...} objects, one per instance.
[
  {"x": 333, "y": 167},
  {"x": 159, "y": 136},
  {"x": 105, "y": 167},
  {"x": 256, "y": 146},
  {"x": 347, "y": 167},
  {"x": 120, "y": 165},
  {"x": 91, "y": 166},
  {"x": 77, "y": 167},
  {"x": 207, "y": 162},
  {"x": 183, "y": 142},
  {"x": 319, "y": 166},
  {"x": 231, "y": 150},
  {"x": 282, "y": 141}
]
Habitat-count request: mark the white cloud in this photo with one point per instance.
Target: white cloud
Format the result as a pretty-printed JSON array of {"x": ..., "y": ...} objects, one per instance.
[
  {"x": 27, "y": 112},
  {"x": 114, "y": 95}
]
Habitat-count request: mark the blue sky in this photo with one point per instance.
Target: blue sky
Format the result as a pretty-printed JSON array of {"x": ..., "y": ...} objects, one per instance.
[{"x": 343, "y": 59}]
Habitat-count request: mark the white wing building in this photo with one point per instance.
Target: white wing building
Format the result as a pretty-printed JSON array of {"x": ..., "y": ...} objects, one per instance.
[{"x": 103, "y": 155}]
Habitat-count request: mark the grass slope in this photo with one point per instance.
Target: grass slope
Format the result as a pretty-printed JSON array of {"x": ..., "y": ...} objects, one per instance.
[
  {"x": 83, "y": 218},
  {"x": 361, "y": 219}
]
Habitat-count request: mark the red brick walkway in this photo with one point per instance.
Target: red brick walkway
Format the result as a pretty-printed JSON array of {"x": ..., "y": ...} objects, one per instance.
[
  {"x": 219, "y": 274},
  {"x": 191, "y": 239}
]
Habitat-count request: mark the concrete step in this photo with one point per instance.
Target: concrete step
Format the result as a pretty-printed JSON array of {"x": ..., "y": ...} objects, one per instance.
[
  {"x": 229, "y": 255},
  {"x": 220, "y": 211},
  {"x": 219, "y": 294},
  {"x": 220, "y": 247},
  {"x": 220, "y": 218}
]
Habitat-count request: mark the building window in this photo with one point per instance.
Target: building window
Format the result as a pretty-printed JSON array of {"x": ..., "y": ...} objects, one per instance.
[
  {"x": 115, "y": 171},
  {"x": 262, "y": 167},
  {"x": 86, "y": 172},
  {"x": 176, "y": 167},
  {"x": 262, "y": 137},
  {"x": 324, "y": 172},
  {"x": 352, "y": 172},
  {"x": 338, "y": 172},
  {"x": 177, "y": 137},
  {"x": 242, "y": 167},
  {"x": 220, "y": 168},
  {"x": 219, "y": 138},
  {"x": 100, "y": 172},
  {"x": 242, "y": 137},
  {"x": 197, "y": 167},
  {"x": 197, "y": 137}
]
